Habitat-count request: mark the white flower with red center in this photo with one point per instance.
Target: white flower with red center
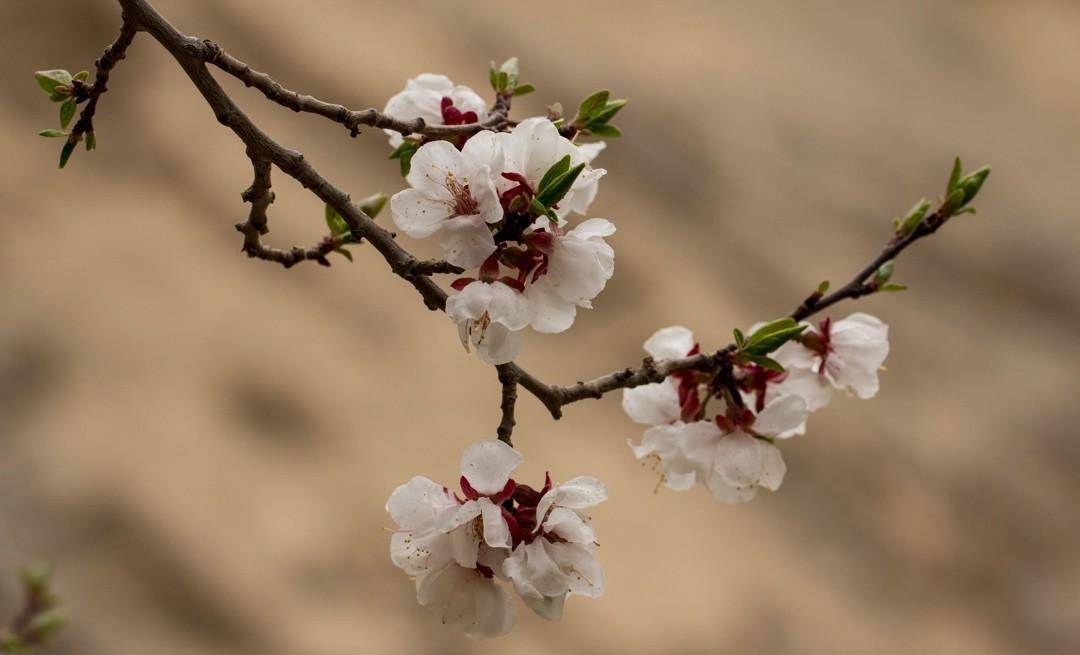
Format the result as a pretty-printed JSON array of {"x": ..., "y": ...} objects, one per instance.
[
  {"x": 556, "y": 558},
  {"x": 454, "y": 547},
  {"x": 846, "y": 354},
  {"x": 490, "y": 314},
  {"x": 732, "y": 454},
  {"x": 530, "y": 150},
  {"x": 453, "y": 193},
  {"x": 437, "y": 100},
  {"x": 572, "y": 269}
]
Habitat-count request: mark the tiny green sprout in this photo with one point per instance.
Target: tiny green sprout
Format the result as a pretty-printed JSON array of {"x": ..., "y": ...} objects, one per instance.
[
  {"x": 823, "y": 287},
  {"x": 882, "y": 275},
  {"x": 54, "y": 83},
  {"x": 962, "y": 189},
  {"x": 912, "y": 219},
  {"x": 373, "y": 204}
]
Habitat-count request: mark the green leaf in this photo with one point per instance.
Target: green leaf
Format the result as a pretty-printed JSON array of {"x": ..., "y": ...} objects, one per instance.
[
  {"x": 610, "y": 109},
  {"x": 67, "y": 112},
  {"x": 510, "y": 68},
  {"x": 493, "y": 77},
  {"x": 51, "y": 79},
  {"x": 46, "y": 624},
  {"x": 766, "y": 362},
  {"x": 335, "y": 222},
  {"x": 590, "y": 107},
  {"x": 405, "y": 153},
  {"x": 82, "y": 76},
  {"x": 893, "y": 287},
  {"x": 91, "y": 141},
  {"x": 971, "y": 183},
  {"x": 954, "y": 177},
  {"x": 913, "y": 218},
  {"x": 739, "y": 338},
  {"x": 373, "y": 204},
  {"x": 523, "y": 89},
  {"x": 344, "y": 253},
  {"x": 823, "y": 287},
  {"x": 882, "y": 275},
  {"x": 605, "y": 130},
  {"x": 559, "y": 187},
  {"x": 772, "y": 335},
  {"x": 557, "y": 169},
  {"x": 52, "y": 134},
  {"x": 65, "y": 153},
  {"x": 502, "y": 81}
]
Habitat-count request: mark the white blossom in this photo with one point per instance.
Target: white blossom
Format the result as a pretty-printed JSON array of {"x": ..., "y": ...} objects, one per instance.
[
  {"x": 454, "y": 547},
  {"x": 853, "y": 350},
  {"x": 453, "y": 193},
  {"x": 489, "y": 316},
  {"x": 534, "y": 146},
  {"x": 558, "y": 558},
  {"x": 579, "y": 264},
  {"x": 423, "y": 97}
]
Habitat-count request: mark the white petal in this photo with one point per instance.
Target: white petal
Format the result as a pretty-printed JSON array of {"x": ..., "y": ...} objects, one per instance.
[
  {"x": 535, "y": 146},
  {"x": 724, "y": 492},
  {"x": 589, "y": 151},
  {"x": 782, "y": 416},
  {"x": 860, "y": 343},
  {"x": 416, "y": 553},
  {"x": 433, "y": 82},
  {"x": 594, "y": 227},
  {"x": 487, "y": 465},
  {"x": 508, "y": 306},
  {"x": 582, "y": 193},
  {"x": 795, "y": 355},
  {"x": 581, "y": 492},
  {"x": 466, "y": 100},
  {"x": 568, "y": 524},
  {"x": 464, "y": 545},
  {"x": 433, "y": 164},
  {"x": 470, "y": 303},
  {"x": 466, "y": 241},
  {"x": 548, "y": 312},
  {"x": 500, "y": 345},
  {"x": 584, "y": 573},
  {"x": 772, "y": 466},
  {"x": 670, "y": 343},
  {"x": 806, "y": 384},
  {"x": 482, "y": 150},
  {"x": 463, "y": 598},
  {"x": 415, "y": 505},
  {"x": 579, "y": 269},
  {"x": 652, "y": 404},
  {"x": 496, "y": 531},
  {"x": 738, "y": 460},
  {"x": 493, "y": 558},
  {"x": 541, "y": 570},
  {"x": 546, "y": 607},
  {"x": 417, "y": 213}
]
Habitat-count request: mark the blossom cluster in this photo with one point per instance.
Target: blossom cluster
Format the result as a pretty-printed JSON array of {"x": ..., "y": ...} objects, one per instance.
[
  {"x": 460, "y": 549},
  {"x": 730, "y": 447},
  {"x": 500, "y": 203}
]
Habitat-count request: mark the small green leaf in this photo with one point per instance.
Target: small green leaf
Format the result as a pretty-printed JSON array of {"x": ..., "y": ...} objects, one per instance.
[
  {"x": 954, "y": 177},
  {"x": 972, "y": 182},
  {"x": 610, "y": 109},
  {"x": 523, "y": 89},
  {"x": 493, "y": 77},
  {"x": 65, "y": 153},
  {"x": 537, "y": 207},
  {"x": 36, "y": 577},
  {"x": 51, "y": 79},
  {"x": 913, "y": 218},
  {"x": 373, "y": 204},
  {"x": 823, "y": 287},
  {"x": 344, "y": 253},
  {"x": 591, "y": 106},
  {"x": 46, "y": 624},
  {"x": 510, "y": 69},
  {"x": 335, "y": 222},
  {"x": 52, "y": 134},
  {"x": 882, "y": 275},
  {"x": 766, "y": 362},
  {"x": 559, "y": 187},
  {"x": 91, "y": 141},
  {"x": 893, "y": 287},
  {"x": 772, "y": 335},
  {"x": 502, "y": 81},
  {"x": 67, "y": 112},
  {"x": 557, "y": 169},
  {"x": 405, "y": 153},
  {"x": 82, "y": 76},
  {"x": 605, "y": 130},
  {"x": 739, "y": 338}
]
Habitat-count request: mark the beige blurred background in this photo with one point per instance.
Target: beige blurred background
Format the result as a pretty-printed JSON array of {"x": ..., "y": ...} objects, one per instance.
[{"x": 203, "y": 444}]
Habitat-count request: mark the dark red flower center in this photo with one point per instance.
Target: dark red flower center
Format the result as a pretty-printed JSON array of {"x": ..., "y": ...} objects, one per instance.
[{"x": 451, "y": 115}]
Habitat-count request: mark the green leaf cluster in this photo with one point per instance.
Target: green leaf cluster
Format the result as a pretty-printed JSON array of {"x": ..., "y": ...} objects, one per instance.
[
  {"x": 595, "y": 113},
  {"x": 962, "y": 189},
  {"x": 757, "y": 347},
  {"x": 404, "y": 154},
  {"x": 504, "y": 79},
  {"x": 59, "y": 85}
]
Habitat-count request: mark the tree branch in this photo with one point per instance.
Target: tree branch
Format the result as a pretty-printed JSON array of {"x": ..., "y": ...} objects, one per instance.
[
  {"x": 104, "y": 66},
  {"x": 192, "y": 55}
]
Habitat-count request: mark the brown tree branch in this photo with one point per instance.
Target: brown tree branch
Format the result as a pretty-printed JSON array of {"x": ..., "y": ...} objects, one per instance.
[
  {"x": 192, "y": 55},
  {"x": 509, "y": 382},
  {"x": 92, "y": 93},
  {"x": 213, "y": 54}
]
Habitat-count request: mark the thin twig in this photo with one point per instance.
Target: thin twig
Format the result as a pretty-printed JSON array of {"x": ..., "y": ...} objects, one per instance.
[
  {"x": 103, "y": 66},
  {"x": 508, "y": 380}
]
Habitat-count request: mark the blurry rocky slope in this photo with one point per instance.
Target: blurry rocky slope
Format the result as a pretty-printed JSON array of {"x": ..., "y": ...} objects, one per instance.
[{"x": 203, "y": 443}]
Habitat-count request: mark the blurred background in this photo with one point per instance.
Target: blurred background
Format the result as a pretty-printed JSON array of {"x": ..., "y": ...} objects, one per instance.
[{"x": 203, "y": 443}]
